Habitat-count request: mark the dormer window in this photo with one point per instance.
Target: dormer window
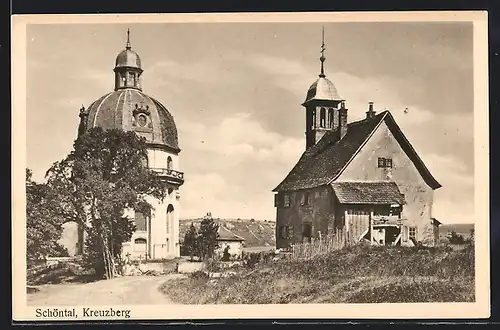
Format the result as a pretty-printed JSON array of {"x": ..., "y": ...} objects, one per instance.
[{"x": 384, "y": 162}]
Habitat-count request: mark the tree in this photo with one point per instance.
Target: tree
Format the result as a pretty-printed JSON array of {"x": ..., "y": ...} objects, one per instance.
[
  {"x": 208, "y": 237},
  {"x": 101, "y": 178},
  {"x": 190, "y": 241},
  {"x": 42, "y": 229},
  {"x": 455, "y": 238}
]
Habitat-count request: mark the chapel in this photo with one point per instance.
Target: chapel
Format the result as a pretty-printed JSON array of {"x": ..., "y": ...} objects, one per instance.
[
  {"x": 361, "y": 179},
  {"x": 127, "y": 107}
]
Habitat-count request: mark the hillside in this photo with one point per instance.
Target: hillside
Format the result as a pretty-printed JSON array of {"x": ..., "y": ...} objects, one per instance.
[
  {"x": 352, "y": 275},
  {"x": 460, "y": 228},
  {"x": 255, "y": 232}
]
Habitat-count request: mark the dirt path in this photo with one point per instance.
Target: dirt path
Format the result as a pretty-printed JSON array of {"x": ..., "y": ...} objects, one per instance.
[{"x": 128, "y": 290}]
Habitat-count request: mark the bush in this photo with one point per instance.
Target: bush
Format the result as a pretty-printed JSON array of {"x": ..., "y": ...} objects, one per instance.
[
  {"x": 213, "y": 265},
  {"x": 198, "y": 275}
]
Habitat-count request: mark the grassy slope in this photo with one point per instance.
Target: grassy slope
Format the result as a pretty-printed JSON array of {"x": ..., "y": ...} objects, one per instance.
[
  {"x": 354, "y": 275},
  {"x": 255, "y": 233}
]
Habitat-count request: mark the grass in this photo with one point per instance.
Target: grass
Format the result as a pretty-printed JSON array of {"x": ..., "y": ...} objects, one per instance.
[{"x": 353, "y": 275}]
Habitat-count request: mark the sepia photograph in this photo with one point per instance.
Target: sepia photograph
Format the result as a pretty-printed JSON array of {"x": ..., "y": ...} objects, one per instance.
[{"x": 210, "y": 162}]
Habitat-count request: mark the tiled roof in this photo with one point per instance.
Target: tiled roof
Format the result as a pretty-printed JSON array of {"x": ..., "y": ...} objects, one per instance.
[
  {"x": 227, "y": 235},
  {"x": 322, "y": 163},
  {"x": 381, "y": 192}
]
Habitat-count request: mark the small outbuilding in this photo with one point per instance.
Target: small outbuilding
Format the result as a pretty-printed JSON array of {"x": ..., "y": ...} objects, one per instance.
[{"x": 230, "y": 241}]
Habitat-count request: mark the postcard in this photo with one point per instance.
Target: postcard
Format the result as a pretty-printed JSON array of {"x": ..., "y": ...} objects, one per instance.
[{"x": 250, "y": 165}]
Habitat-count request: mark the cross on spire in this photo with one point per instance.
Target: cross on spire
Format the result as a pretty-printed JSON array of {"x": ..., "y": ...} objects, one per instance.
[
  {"x": 128, "y": 39},
  {"x": 322, "y": 58}
]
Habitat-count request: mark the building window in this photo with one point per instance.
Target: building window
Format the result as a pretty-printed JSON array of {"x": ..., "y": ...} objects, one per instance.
[
  {"x": 313, "y": 119},
  {"x": 384, "y": 162},
  {"x": 285, "y": 232},
  {"x": 170, "y": 218},
  {"x": 412, "y": 233},
  {"x": 307, "y": 230},
  {"x": 304, "y": 199},
  {"x": 322, "y": 117},
  {"x": 395, "y": 210},
  {"x": 140, "y": 221},
  {"x": 169, "y": 163},
  {"x": 286, "y": 200},
  {"x": 140, "y": 245},
  {"x": 330, "y": 118},
  {"x": 142, "y": 120}
]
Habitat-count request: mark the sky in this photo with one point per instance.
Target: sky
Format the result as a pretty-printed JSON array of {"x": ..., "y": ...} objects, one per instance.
[{"x": 235, "y": 91}]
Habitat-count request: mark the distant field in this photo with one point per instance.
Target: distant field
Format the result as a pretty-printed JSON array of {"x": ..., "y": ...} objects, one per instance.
[
  {"x": 460, "y": 228},
  {"x": 256, "y": 233}
]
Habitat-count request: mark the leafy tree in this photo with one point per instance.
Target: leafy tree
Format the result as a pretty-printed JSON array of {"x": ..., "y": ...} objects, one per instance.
[
  {"x": 455, "y": 238},
  {"x": 191, "y": 240},
  {"x": 208, "y": 237},
  {"x": 101, "y": 178},
  {"x": 42, "y": 229}
]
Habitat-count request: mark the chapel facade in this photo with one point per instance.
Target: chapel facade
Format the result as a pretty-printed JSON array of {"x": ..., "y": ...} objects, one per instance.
[{"x": 128, "y": 108}]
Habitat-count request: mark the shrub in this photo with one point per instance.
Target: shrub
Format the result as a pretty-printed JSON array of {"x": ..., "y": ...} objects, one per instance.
[{"x": 198, "y": 275}]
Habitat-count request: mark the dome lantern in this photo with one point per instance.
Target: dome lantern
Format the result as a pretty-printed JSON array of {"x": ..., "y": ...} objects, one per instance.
[{"x": 128, "y": 68}]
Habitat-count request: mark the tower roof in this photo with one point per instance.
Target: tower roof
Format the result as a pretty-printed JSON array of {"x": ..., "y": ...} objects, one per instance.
[
  {"x": 127, "y": 57},
  {"x": 322, "y": 89}
]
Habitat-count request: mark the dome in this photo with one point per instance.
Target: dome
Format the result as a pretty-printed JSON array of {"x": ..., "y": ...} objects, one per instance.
[
  {"x": 128, "y": 58},
  {"x": 131, "y": 110},
  {"x": 322, "y": 89}
]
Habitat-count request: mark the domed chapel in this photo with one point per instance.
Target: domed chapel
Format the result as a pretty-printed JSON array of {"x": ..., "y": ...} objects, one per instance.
[{"x": 128, "y": 108}]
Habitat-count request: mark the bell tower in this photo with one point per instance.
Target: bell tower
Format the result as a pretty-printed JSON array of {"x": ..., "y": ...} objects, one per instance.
[{"x": 322, "y": 105}]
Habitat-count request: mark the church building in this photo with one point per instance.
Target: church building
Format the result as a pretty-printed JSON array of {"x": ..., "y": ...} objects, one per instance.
[
  {"x": 128, "y": 108},
  {"x": 361, "y": 178}
]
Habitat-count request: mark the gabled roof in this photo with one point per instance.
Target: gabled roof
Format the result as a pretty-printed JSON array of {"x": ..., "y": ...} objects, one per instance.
[
  {"x": 322, "y": 163},
  {"x": 379, "y": 192},
  {"x": 436, "y": 222},
  {"x": 227, "y": 235}
]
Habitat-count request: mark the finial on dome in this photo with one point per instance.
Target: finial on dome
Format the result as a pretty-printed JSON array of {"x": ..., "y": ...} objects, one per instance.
[
  {"x": 322, "y": 58},
  {"x": 128, "y": 39}
]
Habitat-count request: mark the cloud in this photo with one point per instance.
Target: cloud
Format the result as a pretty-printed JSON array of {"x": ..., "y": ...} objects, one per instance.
[{"x": 454, "y": 201}]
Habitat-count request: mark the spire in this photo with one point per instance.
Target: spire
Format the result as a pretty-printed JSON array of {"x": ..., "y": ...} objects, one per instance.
[
  {"x": 128, "y": 39},
  {"x": 322, "y": 58}
]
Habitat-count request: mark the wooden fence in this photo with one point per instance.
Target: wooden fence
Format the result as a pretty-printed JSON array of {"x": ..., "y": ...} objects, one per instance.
[{"x": 336, "y": 241}]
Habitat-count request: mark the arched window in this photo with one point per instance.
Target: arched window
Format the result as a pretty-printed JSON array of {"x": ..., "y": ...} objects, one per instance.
[
  {"x": 170, "y": 217},
  {"x": 330, "y": 118},
  {"x": 169, "y": 163},
  {"x": 313, "y": 123},
  {"x": 322, "y": 117},
  {"x": 140, "y": 244},
  {"x": 140, "y": 241}
]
